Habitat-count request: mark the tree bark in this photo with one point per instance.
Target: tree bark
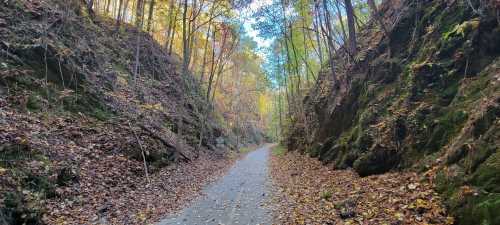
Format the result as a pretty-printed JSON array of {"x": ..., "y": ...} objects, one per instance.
[
  {"x": 352, "y": 27},
  {"x": 151, "y": 14},
  {"x": 139, "y": 14},
  {"x": 119, "y": 15},
  {"x": 185, "y": 40}
]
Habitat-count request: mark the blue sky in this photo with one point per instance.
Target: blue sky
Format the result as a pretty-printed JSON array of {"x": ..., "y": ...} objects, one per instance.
[{"x": 248, "y": 21}]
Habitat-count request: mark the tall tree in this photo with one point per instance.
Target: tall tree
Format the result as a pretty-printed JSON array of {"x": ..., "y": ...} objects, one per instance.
[
  {"x": 352, "y": 27},
  {"x": 139, "y": 14},
  {"x": 150, "y": 16}
]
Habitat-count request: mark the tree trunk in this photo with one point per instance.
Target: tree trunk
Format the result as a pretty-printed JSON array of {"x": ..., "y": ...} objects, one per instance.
[
  {"x": 119, "y": 15},
  {"x": 185, "y": 40},
  {"x": 352, "y": 27},
  {"x": 329, "y": 39},
  {"x": 171, "y": 44},
  {"x": 151, "y": 14},
  {"x": 318, "y": 37},
  {"x": 171, "y": 21},
  {"x": 202, "y": 75},
  {"x": 139, "y": 14},
  {"x": 108, "y": 5},
  {"x": 90, "y": 6},
  {"x": 341, "y": 20}
]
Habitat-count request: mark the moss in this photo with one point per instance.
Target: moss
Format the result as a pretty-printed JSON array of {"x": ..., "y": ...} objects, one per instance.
[
  {"x": 480, "y": 210},
  {"x": 445, "y": 128},
  {"x": 377, "y": 160},
  {"x": 10, "y": 153},
  {"x": 40, "y": 184},
  {"x": 17, "y": 210},
  {"x": 34, "y": 103},
  {"x": 449, "y": 92},
  {"x": 279, "y": 150},
  {"x": 487, "y": 176},
  {"x": 326, "y": 195},
  {"x": 427, "y": 74},
  {"x": 448, "y": 180},
  {"x": 102, "y": 114},
  {"x": 88, "y": 104},
  {"x": 67, "y": 175},
  {"x": 486, "y": 121}
]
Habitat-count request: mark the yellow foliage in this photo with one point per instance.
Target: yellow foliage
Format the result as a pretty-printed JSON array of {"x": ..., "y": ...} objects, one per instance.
[
  {"x": 152, "y": 107},
  {"x": 2, "y": 171},
  {"x": 463, "y": 28}
]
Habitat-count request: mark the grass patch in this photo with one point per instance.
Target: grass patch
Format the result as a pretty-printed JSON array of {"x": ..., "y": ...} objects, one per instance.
[
  {"x": 326, "y": 195},
  {"x": 279, "y": 150},
  {"x": 246, "y": 149}
]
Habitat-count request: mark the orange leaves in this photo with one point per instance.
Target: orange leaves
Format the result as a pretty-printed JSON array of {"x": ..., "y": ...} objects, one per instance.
[{"x": 392, "y": 198}]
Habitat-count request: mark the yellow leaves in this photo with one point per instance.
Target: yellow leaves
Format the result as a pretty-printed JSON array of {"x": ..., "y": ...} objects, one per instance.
[
  {"x": 152, "y": 107},
  {"x": 23, "y": 141},
  {"x": 2, "y": 171},
  {"x": 121, "y": 81},
  {"x": 61, "y": 221},
  {"x": 264, "y": 104},
  {"x": 141, "y": 216},
  {"x": 450, "y": 220},
  {"x": 463, "y": 29},
  {"x": 422, "y": 204},
  {"x": 467, "y": 191},
  {"x": 399, "y": 216},
  {"x": 65, "y": 52}
]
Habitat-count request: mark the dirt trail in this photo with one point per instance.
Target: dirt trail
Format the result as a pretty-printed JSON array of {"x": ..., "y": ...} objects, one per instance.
[{"x": 237, "y": 198}]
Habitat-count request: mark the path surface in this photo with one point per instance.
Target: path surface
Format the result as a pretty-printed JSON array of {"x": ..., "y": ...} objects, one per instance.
[{"x": 237, "y": 198}]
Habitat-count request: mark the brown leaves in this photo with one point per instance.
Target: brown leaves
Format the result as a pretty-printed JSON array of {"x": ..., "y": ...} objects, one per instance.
[
  {"x": 93, "y": 179},
  {"x": 392, "y": 198}
]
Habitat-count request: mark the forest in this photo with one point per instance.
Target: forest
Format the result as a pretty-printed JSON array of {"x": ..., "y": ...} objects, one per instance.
[{"x": 250, "y": 112}]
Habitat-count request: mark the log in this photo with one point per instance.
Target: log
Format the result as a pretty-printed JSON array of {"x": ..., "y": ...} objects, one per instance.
[{"x": 165, "y": 142}]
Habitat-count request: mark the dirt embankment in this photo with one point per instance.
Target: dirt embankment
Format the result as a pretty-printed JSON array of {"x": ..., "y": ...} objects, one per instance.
[{"x": 77, "y": 125}]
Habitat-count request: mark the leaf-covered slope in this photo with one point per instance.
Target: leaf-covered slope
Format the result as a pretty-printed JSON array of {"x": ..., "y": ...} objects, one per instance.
[
  {"x": 77, "y": 122},
  {"x": 425, "y": 97}
]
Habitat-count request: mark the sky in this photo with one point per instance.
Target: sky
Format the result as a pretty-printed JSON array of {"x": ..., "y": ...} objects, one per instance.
[{"x": 248, "y": 21}]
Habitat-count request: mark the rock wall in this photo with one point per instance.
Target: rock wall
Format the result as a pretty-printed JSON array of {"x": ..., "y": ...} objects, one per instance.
[{"x": 424, "y": 97}]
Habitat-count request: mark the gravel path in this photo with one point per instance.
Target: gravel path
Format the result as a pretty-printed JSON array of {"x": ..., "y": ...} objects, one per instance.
[{"x": 237, "y": 198}]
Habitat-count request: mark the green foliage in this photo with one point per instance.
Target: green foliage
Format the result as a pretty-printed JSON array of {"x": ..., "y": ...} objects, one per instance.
[
  {"x": 444, "y": 128},
  {"x": 279, "y": 150},
  {"x": 487, "y": 175},
  {"x": 461, "y": 30},
  {"x": 16, "y": 210},
  {"x": 327, "y": 195},
  {"x": 246, "y": 149}
]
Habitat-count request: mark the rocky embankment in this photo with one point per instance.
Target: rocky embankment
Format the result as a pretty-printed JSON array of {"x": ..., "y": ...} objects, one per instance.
[{"x": 423, "y": 97}]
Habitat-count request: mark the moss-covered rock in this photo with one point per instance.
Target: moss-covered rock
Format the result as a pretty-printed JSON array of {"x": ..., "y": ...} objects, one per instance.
[
  {"x": 430, "y": 99},
  {"x": 378, "y": 160}
]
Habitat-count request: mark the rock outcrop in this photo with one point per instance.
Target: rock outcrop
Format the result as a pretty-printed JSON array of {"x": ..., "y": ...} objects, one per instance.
[{"x": 425, "y": 97}]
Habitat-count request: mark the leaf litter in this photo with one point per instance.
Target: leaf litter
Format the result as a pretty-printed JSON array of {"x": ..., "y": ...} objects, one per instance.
[
  {"x": 309, "y": 192},
  {"x": 107, "y": 186}
]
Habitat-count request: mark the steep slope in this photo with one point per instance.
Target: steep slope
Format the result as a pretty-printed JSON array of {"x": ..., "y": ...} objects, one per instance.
[
  {"x": 78, "y": 124},
  {"x": 426, "y": 97}
]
